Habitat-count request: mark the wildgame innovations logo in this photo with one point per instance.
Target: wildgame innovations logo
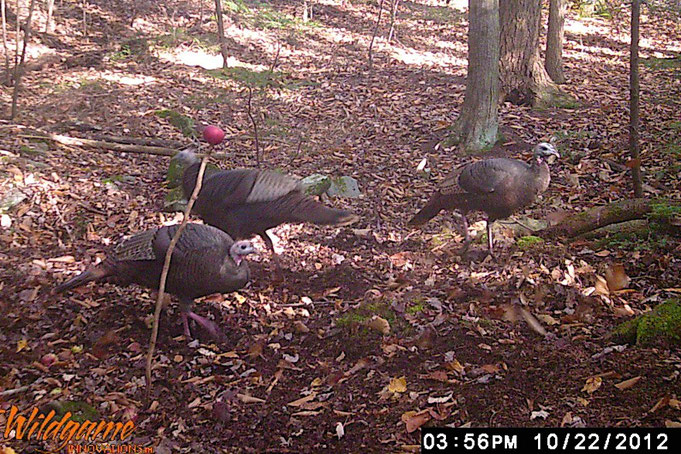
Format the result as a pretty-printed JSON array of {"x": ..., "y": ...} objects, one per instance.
[{"x": 68, "y": 435}]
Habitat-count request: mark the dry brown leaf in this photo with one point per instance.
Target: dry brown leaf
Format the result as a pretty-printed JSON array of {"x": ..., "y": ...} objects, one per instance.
[
  {"x": 663, "y": 402},
  {"x": 616, "y": 277},
  {"x": 532, "y": 322},
  {"x": 245, "y": 398},
  {"x": 601, "y": 286},
  {"x": 672, "y": 424},
  {"x": 398, "y": 385},
  {"x": 414, "y": 420},
  {"x": 379, "y": 324},
  {"x": 626, "y": 384},
  {"x": 302, "y": 400},
  {"x": 592, "y": 384}
]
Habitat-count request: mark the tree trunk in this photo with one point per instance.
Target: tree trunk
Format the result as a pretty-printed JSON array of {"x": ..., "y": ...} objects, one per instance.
[
  {"x": 477, "y": 127},
  {"x": 524, "y": 80},
  {"x": 554, "y": 40},
  {"x": 634, "y": 99},
  {"x": 221, "y": 33}
]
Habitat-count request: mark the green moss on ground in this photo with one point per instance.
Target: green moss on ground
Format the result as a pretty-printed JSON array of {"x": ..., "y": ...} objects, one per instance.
[
  {"x": 528, "y": 242},
  {"x": 662, "y": 325}
]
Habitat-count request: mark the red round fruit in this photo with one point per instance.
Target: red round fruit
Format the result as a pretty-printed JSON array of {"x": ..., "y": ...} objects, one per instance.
[{"x": 213, "y": 135}]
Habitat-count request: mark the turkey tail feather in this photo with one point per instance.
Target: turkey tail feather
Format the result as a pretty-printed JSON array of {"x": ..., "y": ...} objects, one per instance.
[
  {"x": 428, "y": 212},
  {"x": 306, "y": 209},
  {"x": 92, "y": 274}
]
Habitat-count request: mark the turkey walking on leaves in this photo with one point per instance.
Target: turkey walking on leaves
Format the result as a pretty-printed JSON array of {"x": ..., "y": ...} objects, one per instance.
[
  {"x": 498, "y": 187},
  {"x": 205, "y": 261},
  {"x": 248, "y": 202}
]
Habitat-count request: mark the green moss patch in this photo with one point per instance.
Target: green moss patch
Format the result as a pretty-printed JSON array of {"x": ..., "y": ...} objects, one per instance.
[
  {"x": 528, "y": 242},
  {"x": 662, "y": 325}
]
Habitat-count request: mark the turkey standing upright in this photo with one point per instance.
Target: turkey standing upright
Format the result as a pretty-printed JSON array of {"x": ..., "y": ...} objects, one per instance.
[
  {"x": 497, "y": 187},
  {"x": 205, "y": 261},
  {"x": 248, "y": 202}
]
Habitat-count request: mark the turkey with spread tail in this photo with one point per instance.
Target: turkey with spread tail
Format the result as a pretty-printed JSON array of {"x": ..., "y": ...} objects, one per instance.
[
  {"x": 248, "y": 202},
  {"x": 498, "y": 187},
  {"x": 205, "y": 260}
]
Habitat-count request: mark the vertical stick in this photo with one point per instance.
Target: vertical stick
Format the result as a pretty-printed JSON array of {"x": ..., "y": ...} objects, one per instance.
[
  {"x": 255, "y": 126},
  {"x": 373, "y": 37},
  {"x": 166, "y": 267},
  {"x": 3, "y": 6},
  {"x": 634, "y": 96},
  {"x": 19, "y": 69}
]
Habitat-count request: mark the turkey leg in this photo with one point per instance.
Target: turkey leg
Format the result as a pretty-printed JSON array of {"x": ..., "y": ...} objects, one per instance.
[
  {"x": 186, "y": 313},
  {"x": 275, "y": 258},
  {"x": 489, "y": 236}
]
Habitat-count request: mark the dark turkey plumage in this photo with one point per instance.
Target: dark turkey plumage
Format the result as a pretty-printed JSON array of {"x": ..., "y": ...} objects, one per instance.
[
  {"x": 498, "y": 187},
  {"x": 248, "y": 202},
  {"x": 205, "y": 261}
]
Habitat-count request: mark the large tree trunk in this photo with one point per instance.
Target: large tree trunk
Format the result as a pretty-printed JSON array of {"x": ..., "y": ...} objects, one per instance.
[
  {"x": 523, "y": 77},
  {"x": 477, "y": 127},
  {"x": 634, "y": 99},
  {"x": 554, "y": 40}
]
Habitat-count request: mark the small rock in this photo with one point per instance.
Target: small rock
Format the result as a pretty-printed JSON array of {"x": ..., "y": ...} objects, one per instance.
[
  {"x": 344, "y": 187},
  {"x": 316, "y": 184},
  {"x": 13, "y": 198}
]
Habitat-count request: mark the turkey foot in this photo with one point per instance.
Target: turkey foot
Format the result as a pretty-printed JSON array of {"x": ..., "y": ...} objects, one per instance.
[{"x": 206, "y": 324}]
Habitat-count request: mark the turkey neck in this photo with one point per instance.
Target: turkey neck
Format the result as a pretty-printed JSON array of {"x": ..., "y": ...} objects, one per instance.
[
  {"x": 540, "y": 168},
  {"x": 189, "y": 179}
]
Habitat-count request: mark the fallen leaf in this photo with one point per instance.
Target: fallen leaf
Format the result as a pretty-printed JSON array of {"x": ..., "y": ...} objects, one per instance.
[
  {"x": 379, "y": 324},
  {"x": 398, "y": 385},
  {"x": 21, "y": 344},
  {"x": 601, "y": 286},
  {"x": 626, "y": 384},
  {"x": 439, "y": 400},
  {"x": 616, "y": 277},
  {"x": 667, "y": 423},
  {"x": 302, "y": 400},
  {"x": 340, "y": 430},
  {"x": 413, "y": 420},
  {"x": 592, "y": 384},
  {"x": 543, "y": 414},
  {"x": 250, "y": 399}
]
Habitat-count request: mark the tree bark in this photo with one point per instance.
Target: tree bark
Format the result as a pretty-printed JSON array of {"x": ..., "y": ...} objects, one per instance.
[
  {"x": 554, "y": 40},
  {"x": 477, "y": 127},
  {"x": 221, "y": 33},
  {"x": 634, "y": 100},
  {"x": 524, "y": 80}
]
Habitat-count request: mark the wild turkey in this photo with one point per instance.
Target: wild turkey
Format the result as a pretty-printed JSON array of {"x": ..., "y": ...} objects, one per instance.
[
  {"x": 205, "y": 261},
  {"x": 497, "y": 187},
  {"x": 248, "y": 202}
]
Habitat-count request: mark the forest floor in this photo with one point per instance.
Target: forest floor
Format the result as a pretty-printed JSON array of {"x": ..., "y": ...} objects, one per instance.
[{"x": 305, "y": 366}]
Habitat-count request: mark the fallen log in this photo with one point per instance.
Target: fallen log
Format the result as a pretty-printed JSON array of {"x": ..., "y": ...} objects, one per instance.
[{"x": 613, "y": 213}]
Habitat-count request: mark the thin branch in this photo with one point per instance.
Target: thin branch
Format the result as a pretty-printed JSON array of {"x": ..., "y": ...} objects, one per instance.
[
  {"x": 21, "y": 389},
  {"x": 255, "y": 126},
  {"x": 276, "y": 57},
  {"x": 125, "y": 148},
  {"x": 373, "y": 37},
  {"x": 164, "y": 273},
  {"x": 19, "y": 69}
]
